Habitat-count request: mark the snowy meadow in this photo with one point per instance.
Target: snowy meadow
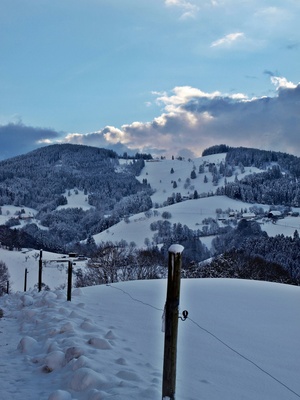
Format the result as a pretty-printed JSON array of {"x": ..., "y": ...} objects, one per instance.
[{"x": 241, "y": 341}]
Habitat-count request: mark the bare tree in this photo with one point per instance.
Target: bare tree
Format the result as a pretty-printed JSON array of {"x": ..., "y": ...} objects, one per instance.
[
  {"x": 121, "y": 262},
  {"x": 4, "y": 278}
]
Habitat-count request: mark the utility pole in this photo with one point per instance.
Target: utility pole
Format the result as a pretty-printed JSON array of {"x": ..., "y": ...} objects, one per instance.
[{"x": 171, "y": 321}]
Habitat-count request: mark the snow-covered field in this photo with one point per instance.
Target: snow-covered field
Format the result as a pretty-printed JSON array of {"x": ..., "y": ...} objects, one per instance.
[
  {"x": 158, "y": 174},
  {"x": 241, "y": 341},
  {"x": 54, "y": 268},
  {"x": 190, "y": 212},
  {"x": 76, "y": 199}
]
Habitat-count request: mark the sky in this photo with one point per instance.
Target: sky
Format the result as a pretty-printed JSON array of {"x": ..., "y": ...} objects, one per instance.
[{"x": 166, "y": 77}]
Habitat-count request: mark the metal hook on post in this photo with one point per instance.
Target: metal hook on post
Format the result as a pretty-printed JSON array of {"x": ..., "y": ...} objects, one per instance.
[{"x": 184, "y": 315}]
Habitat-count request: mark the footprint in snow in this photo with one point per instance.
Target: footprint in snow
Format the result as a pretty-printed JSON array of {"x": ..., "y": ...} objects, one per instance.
[
  {"x": 60, "y": 395},
  {"x": 99, "y": 343},
  {"x": 121, "y": 361},
  {"x": 110, "y": 335},
  {"x": 128, "y": 376}
]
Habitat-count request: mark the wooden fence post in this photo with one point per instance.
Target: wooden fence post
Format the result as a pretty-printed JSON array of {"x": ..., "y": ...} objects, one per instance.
[
  {"x": 69, "y": 289},
  {"x": 171, "y": 322},
  {"x": 40, "y": 270},
  {"x": 25, "y": 280}
]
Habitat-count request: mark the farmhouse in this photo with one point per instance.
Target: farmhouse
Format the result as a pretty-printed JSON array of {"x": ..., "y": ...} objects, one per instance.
[
  {"x": 248, "y": 215},
  {"x": 25, "y": 216},
  {"x": 275, "y": 214}
]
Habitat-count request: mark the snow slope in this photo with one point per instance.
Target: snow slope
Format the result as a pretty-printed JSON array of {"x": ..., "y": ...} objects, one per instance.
[
  {"x": 76, "y": 199},
  {"x": 190, "y": 213},
  {"x": 241, "y": 341},
  {"x": 158, "y": 174},
  {"x": 54, "y": 272}
]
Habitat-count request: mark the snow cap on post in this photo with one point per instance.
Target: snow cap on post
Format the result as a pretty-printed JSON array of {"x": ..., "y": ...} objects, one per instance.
[{"x": 176, "y": 248}]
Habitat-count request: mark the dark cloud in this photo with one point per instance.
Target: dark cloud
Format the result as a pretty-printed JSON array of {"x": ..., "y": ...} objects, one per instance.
[
  {"x": 270, "y": 73},
  {"x": 293, "y": 46},
  {"x": 16, "y": 139},
  {"x": 190, "y": 122},
  {"x": 272, "y": 122},
  {"x": 195, "y": 121}
]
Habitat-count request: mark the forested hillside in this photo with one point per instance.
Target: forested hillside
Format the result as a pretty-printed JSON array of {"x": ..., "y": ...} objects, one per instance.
[
  {"x": 277, "y": 185},
  {"x": 40, "y": 180},
  {"x": 258, "y": 181}
]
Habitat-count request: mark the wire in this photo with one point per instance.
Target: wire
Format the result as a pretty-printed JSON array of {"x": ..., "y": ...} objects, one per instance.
[
  {"x": 287, "y": 226},
  {"x": 244, "y": 357},
  {"x": 215, "y": 337},
  {"x": 134, "y": 299}
]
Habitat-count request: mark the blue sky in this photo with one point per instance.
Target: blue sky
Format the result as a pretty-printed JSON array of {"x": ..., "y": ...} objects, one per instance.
[{"x": 160, "y": 76}]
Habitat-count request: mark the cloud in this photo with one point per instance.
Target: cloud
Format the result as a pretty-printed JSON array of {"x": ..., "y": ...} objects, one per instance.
[
  {"x": 282, "y": 83},
  {"x": 190, "y": 121},
  {"x": 193, "y": 120},
  {"x": 293, "y": 46},
  {"x": 16, "y": 138},
  {"x": 272, "y": 16},
  {"x": 189, "y": 9},
  {"x": 108, "y": 138},
  {"x": 270, "y": 73},
  {"x": 228, "y": 40}
]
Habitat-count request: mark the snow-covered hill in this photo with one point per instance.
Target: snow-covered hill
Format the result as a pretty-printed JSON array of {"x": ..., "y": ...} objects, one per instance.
[
  {"x": 241, "y": 341},
  {"x": 136, "y": 228},
  {"x": 54, "y": 268},
  {"x": 158, "y": 174},
  {"x": 189, "y": 212}
]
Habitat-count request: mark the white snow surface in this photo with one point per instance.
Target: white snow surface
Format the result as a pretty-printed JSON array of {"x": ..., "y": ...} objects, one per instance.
[
  {"x": 54, "y": 273},
  {"x": 76, "y": 199},
  {"x": 240, "y": 341},
  {"x": 136, "y": 228}
]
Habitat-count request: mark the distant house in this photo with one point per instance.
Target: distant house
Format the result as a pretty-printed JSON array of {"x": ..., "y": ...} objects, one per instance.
[
  {"x": 25, "y": 216},
  {"x": 232, "y": 214},
  {"x": 275, "y": 214},
  {"x": 248, "y": 215},
  {"x": 294, "y": 213}
]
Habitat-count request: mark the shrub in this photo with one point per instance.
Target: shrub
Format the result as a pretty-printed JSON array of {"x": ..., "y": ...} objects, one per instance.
[{"x": 166, "y": 215}]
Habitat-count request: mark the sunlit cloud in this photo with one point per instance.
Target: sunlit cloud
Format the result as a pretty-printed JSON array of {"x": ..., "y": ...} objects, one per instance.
[
  {"x": 189, "y": 9},
  {"x": 190, "y": 121},
  {"x": 281, "y": 82},
  {"x": 228, "y": 40}
]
